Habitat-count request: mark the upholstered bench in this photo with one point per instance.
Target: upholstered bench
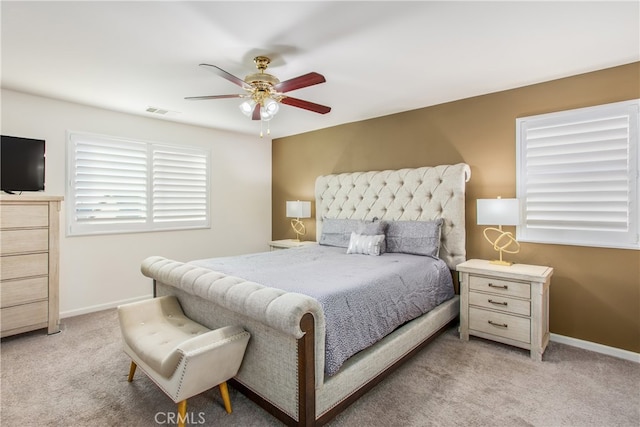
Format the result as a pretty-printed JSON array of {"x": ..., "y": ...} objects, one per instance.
[{"x": 181, "y": 356}]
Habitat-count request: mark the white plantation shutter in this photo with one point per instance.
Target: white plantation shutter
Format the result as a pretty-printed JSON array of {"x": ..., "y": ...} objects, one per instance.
[
  {"x": 577, "y": 175},
  {"x": 117, "y": 185},
  {"x": 179, "y": 185}
]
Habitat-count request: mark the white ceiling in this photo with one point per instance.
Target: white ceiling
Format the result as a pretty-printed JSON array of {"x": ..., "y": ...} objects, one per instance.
[{"x": 378, "y": 58}]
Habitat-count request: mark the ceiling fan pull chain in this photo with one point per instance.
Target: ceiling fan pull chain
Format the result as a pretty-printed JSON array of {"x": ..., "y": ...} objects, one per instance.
[{"x": 261, "y": 122}]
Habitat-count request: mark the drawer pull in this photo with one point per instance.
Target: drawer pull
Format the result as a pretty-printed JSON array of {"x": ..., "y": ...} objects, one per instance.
[
  {"x": 497, "y": 302},
  {"x": 500, "y": 325},
  {"x": 491, "y": 285}
]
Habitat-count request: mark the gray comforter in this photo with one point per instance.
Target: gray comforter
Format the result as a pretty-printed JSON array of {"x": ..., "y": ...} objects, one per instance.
[{"x": 364, "y": 297}]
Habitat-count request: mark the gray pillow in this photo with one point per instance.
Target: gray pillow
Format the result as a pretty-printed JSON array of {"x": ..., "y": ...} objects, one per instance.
[
  {"x": 372, "y": 228},
  {"x": 414, "y": 237},
  {"x": 337, "y": 232}
]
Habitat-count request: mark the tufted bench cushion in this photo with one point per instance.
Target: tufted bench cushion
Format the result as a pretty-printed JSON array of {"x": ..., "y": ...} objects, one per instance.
[{"x": 160, "y": 333}]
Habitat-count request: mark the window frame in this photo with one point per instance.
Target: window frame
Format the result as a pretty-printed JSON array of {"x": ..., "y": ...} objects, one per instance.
[
  {"x": 140, "y": 225},
  {"x": 572, "y": 234}
]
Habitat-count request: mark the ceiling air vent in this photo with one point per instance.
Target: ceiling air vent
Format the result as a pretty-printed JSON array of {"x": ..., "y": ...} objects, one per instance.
[
  {"x": 162, "y": 112},
  {"x": 155, "y": 110}
]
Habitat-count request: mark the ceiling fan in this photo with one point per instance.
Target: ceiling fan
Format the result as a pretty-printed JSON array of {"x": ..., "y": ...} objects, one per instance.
[{"x": 264, "y": 91}]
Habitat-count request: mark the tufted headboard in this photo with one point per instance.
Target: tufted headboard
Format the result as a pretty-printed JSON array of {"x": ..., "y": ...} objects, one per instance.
[{"x": 420, "y": 194}]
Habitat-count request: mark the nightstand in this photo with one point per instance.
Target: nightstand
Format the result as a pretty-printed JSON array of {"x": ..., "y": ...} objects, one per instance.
[
  {"x": 288, "y": 244},
  {"x": 508, "y": 304}
]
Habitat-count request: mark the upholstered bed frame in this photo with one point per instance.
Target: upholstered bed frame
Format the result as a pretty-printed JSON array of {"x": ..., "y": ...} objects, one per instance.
[{"x": 283, "y": 367}]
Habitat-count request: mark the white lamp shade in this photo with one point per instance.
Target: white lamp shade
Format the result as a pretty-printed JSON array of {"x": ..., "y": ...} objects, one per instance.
[
  {"x": 299, "y": 209},
  {"x": 265, "y": 115},
  {"x": 498, "y": 212},
  {"x": 247, "y": 107},
  {"x": 271, "y": 106}
]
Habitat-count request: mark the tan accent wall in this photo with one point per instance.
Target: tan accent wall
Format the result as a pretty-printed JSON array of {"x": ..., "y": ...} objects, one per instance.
[{"x": 595, "y": 292}]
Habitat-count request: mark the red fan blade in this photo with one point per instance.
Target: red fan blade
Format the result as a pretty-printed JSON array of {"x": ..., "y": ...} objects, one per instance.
[
  {"x": 256, "y": 113},
  {"x": 222, "y": 73},
  {"x": 197, "y": 98},
  {"x": 316, "y": 108},
  {"x": 299, "y": 82}
]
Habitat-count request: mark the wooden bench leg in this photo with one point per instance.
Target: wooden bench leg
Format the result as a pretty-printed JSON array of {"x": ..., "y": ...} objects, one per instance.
[
  {"x": 224, "y": 391},
  {"x": 182, "y": 412},
  {"x": 132, "y": 370}
]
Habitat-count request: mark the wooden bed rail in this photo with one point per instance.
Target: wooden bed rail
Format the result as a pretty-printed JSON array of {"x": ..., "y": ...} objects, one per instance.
[{"x": 306, "y": 374}]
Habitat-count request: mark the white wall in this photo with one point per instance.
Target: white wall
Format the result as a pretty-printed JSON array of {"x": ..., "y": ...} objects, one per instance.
[{"x": 98, "y": 272}]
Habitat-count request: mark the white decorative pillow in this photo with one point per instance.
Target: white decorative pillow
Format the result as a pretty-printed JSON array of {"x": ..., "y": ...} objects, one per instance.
[{"x": 365, "y": 244}]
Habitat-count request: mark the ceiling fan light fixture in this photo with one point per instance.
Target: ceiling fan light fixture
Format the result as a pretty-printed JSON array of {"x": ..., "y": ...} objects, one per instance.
[
  {"x": 265, "y": 116},
  {"x": 271, "y": 106},
  {"x": 247, "y": 107}
]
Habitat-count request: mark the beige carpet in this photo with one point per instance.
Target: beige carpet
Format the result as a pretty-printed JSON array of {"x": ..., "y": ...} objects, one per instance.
[{"x": 79, "y": 378}]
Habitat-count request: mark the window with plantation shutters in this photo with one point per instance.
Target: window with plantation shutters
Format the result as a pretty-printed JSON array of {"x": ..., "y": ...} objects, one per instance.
[
  {"x": 577, "y": 176},
  {"x": 116, "y": 185}
]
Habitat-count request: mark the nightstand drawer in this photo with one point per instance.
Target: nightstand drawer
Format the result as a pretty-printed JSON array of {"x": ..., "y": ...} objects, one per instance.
[
  {"x": 502, "y": 303},
  {"x": 500, "y": 286},
  {"x": 503, "y": 325}
]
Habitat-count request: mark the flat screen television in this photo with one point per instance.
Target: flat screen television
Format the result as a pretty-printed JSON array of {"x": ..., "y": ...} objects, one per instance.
[{"x": 22, "y": 164}]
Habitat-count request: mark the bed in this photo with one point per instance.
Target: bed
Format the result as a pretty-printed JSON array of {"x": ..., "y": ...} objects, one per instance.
[{"x": 290, "y": 366}]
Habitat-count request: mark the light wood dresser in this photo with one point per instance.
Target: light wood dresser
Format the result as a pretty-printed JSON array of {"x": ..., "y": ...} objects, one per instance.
[
  {"x": 508, "y": 304},
  {"x": 29, "y": 257}
]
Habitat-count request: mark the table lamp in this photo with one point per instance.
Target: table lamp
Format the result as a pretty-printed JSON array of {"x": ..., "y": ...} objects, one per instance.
[
  {"x": 499, "y": 212},
  {"x": 296, "y": 210}
]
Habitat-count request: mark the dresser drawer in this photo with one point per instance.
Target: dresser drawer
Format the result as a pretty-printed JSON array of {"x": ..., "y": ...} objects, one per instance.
[
  {"x": 21, "y": 316},
  {"x": 503, "y": 325},
  {"x": 14, "y": 292},
  {"x": 17, "y": 241},
  {"x": 500, "y": 286},
  {"x": 500, "y": 302},
  {"x": 19, "y": 266},
  {"x": 24, "y": 216}
]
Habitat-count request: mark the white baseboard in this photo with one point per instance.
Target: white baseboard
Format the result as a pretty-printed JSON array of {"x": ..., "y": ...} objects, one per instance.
[
  {"x": 598, "y": 348},
  {"x": 100, "y": 307}
]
